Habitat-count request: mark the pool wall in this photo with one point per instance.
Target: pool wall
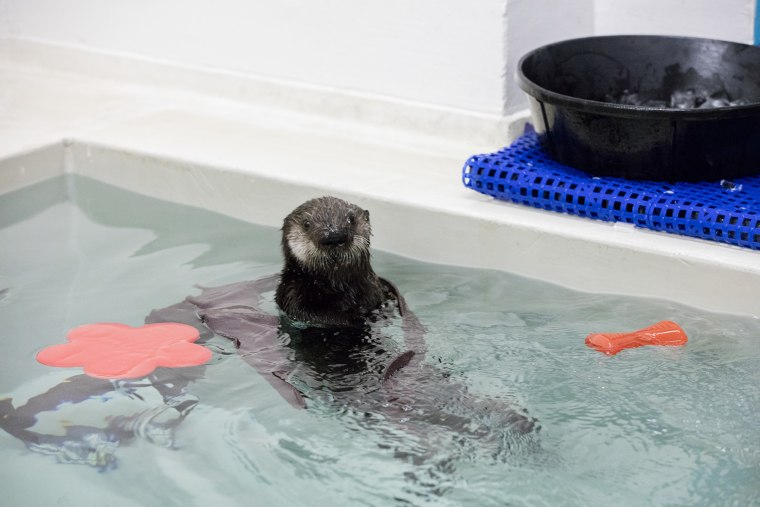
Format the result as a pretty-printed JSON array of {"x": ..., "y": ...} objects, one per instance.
[
  {"x": 254, "y": 150},
  {"x": 507, "y": 237}
]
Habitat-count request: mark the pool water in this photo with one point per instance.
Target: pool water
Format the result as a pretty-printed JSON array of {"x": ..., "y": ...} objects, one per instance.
[{"x": 650, "y": 426}]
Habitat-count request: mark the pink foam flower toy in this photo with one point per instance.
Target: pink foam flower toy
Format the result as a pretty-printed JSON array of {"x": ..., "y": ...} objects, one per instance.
[{"x": 119, "y": 351}]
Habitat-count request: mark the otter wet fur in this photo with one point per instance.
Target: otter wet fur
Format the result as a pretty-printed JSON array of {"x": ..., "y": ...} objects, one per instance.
[{"x": 327, "y": 279}]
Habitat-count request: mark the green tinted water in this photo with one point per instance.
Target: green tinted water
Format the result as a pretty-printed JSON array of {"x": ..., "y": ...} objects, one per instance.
[{"x": 650, "y": 426}]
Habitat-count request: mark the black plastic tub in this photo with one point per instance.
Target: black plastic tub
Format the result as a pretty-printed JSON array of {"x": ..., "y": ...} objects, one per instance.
[{"x": 647, "y": 107}]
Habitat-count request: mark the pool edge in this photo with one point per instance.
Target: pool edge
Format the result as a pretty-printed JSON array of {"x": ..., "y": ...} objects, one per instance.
[{"x": 437, "y": 234}]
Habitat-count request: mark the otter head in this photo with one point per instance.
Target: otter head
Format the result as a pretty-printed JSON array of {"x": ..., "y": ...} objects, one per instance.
[{"x": 326, "y": 234}]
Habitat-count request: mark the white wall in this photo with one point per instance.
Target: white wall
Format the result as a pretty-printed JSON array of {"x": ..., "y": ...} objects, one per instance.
[
  {"x": 445, "y": 52},
  {"x": 459, "y": 54},
  {"x": 715, "y": 19}
]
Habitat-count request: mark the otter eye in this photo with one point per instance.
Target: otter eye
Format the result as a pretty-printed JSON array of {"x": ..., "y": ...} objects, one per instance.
[
  {"x": 306, "y": 225},
  {"x": 351, "y": 218}
]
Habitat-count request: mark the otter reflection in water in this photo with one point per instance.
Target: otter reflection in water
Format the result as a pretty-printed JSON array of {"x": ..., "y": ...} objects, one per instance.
[{"x": 331, "y": 341}]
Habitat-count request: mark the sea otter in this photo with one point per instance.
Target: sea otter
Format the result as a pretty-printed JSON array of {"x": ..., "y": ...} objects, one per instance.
[
  {"x": 331, "y": 332},
  {"x": 327, "y": 294}
]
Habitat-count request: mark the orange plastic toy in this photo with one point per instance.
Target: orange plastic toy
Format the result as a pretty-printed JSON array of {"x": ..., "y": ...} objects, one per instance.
[
  {"x": 662, "y": 333},
  {"x": 118, "y": 351}
]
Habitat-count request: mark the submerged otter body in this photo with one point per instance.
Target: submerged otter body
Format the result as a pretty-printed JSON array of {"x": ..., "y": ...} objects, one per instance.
[{"x": 327, "y": 279}]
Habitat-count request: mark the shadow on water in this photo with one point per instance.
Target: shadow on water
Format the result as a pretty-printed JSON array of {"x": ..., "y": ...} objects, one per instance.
[
  {"x": 174, "y": 225},
  {"x": 25, "y": 203}
]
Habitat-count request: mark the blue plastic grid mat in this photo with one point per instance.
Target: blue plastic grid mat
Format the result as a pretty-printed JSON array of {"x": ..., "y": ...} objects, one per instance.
[{"x": 725, "y": 211}]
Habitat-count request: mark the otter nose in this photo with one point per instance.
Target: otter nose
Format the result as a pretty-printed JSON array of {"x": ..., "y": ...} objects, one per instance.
[{"x": 334, "y": 238}]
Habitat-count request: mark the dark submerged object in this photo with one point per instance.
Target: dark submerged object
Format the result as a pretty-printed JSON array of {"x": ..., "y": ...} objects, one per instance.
[
  {"x": 139, "y": 415},
  {"x": 647, "y": 107}
]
